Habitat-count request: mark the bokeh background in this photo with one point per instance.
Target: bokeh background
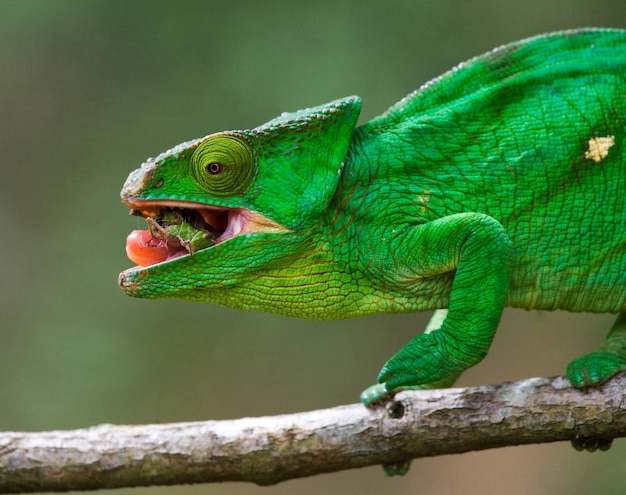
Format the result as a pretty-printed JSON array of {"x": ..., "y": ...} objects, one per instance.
[{"x": 89, "y": 89}]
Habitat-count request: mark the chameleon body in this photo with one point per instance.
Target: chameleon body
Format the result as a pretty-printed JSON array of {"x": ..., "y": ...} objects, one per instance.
[{"x": 499, "y": 183}]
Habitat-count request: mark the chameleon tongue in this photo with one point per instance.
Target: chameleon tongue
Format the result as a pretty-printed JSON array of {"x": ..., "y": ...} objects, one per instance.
[{"x": 145, "y": 250}]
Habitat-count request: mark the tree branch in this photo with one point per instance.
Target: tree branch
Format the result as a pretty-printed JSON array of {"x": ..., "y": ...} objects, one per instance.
[{"x": 268, "y": 450}]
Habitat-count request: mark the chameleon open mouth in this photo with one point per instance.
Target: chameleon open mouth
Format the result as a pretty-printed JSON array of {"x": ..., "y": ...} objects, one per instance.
[{"x": 177, "y": 229}]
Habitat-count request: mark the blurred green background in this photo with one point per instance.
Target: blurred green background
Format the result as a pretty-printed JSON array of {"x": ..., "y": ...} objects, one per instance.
[{"x": 89, "y": 89}]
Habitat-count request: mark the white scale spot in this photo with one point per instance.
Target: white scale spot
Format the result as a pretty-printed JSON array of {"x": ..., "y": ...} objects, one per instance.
[{"x": 599, "y": 148}]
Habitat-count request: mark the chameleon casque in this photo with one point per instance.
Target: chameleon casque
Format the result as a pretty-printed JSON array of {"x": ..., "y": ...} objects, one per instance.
[{"x": 499, "y": 183}]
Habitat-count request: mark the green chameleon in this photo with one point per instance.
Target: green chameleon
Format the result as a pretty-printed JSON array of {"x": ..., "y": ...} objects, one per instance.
[{"x": 500, "y": 183}]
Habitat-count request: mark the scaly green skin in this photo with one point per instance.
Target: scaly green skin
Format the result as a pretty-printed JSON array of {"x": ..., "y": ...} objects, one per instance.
[{"x": 499, "y": 183}]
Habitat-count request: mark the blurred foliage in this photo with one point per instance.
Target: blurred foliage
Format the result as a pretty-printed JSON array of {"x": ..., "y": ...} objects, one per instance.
[{"x": 89, "y": 89}]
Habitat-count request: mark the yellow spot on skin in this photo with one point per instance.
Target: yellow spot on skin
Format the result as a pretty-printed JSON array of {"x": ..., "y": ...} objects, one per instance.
[
  {"x": 599, "y": 148},
  {"x": 423, "y": 200}
]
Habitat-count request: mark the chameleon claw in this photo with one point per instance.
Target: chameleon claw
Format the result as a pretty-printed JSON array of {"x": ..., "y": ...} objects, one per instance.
[
  {"x": 397, "y": 468},
  {"x": 375, "y": 395}
]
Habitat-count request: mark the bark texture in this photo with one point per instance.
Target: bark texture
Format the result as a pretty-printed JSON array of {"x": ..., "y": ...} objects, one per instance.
[{"x": 267, "y": 450}]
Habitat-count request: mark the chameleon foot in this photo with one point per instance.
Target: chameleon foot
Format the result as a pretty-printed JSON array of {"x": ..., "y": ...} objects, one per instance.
[
  {"x": 591, "y": 444},
  {"x": 594, "y": 368},
  {"x": 397, "y": 468},
  {"x": 376, "y": 394},
  {"x": 380, "y": 393},
  {"x": 589, "y": 370}
]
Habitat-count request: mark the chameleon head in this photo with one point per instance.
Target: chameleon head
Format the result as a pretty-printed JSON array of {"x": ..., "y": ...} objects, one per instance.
[{"x": 235, "y": 205}]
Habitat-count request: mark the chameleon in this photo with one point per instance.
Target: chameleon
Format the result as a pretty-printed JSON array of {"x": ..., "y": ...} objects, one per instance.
[{"x": 499, "y": 183}]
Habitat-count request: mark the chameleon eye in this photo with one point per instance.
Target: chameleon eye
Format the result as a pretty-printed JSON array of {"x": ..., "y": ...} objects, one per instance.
[
  {"x": 224, "y": 164},
  {"x": 214, "y": 168}
]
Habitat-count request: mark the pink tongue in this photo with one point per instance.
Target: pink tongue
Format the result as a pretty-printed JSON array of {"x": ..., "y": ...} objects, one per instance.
[{"x": 145, "y": 250}]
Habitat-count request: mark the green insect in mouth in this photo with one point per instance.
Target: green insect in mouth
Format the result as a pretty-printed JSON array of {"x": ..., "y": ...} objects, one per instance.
[
  {"x": 172, "y": 233},
  {"x": 170, "y": 227}
]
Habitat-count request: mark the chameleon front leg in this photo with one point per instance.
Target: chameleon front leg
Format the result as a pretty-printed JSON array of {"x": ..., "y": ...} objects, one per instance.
[
  {"x": 378, "y": 392},
  {"x": 477, "y": 248}
]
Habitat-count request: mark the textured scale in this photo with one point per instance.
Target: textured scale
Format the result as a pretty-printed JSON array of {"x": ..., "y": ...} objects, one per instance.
[{"x": 499, "y": 183}]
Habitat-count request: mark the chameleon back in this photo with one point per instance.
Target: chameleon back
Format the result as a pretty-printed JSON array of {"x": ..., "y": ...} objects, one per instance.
[{"x": 531, "y": 134}]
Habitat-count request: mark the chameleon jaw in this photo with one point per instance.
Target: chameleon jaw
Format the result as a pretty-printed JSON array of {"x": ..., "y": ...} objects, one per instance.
[{"x": 204, "y": 227}]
